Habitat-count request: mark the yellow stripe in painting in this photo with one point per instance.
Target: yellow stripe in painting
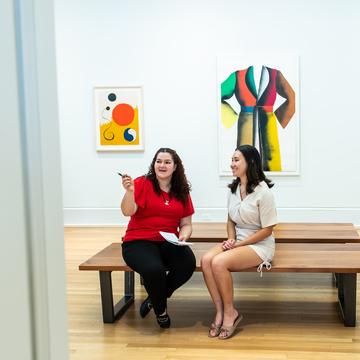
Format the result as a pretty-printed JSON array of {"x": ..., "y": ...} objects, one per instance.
[
  {"x": 245, "y": 129},
  {"x": 228, "y": 115},
  {"x": 272, "y": 135}
]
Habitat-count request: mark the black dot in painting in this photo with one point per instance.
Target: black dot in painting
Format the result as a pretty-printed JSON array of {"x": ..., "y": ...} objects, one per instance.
[
  {"x": 108, "y": 108},
  {"x": 112, "y": 97}
]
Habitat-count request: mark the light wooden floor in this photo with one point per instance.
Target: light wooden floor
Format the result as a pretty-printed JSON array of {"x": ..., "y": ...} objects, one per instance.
[{"x": 286, "y": 316}]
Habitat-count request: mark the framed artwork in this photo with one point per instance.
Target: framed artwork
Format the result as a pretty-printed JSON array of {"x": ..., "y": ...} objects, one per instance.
[
  {"x": 119, "y": 118},
  {"x": 257, "y": 105}
]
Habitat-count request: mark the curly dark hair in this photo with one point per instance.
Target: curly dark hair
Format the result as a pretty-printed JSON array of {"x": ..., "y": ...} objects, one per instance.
[
  {"x": 254, "y": 172},
  {"x": 180, "y": 187}
]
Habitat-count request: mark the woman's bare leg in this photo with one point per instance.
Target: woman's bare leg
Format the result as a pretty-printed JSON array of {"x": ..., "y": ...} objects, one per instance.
[
  {"x": 211, "y": 283},
  {"x": 222, "y": 264}
]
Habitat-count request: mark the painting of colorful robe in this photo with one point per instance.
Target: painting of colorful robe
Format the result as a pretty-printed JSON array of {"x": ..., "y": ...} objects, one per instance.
[{"x": 257, "y": 120}]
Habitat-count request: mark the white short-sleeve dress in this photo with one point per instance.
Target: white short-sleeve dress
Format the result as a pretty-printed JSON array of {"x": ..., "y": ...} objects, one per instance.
[{"x": 256, "y": 211}]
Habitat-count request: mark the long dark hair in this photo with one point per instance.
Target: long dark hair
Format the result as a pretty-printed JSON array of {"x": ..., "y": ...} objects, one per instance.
[
  {"x": 180, "y": 187},
  {"x": 254, "y": 172}
]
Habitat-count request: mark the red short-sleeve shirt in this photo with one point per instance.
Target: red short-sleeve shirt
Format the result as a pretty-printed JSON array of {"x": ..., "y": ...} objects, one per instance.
[{"x": 153, "y": 215}]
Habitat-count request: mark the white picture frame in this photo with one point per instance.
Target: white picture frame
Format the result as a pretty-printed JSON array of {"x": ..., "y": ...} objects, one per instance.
[
  {"x": 289, "y": 137},
  {"x": 119, "y": 119}
]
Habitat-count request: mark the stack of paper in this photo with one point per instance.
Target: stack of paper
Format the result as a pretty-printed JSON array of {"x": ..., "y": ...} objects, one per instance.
[{"x": 172, "y": 238}]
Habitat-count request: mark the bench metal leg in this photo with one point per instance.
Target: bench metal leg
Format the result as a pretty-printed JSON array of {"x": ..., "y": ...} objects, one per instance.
[
  {"x": 109, "y": 311},
  {"x": 347, "y": 297}
]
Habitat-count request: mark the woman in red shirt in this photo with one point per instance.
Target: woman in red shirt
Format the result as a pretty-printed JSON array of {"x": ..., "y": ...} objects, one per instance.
[{"x": 159, "y": 201}]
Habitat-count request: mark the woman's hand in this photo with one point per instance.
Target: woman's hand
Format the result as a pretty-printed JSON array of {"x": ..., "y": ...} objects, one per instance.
[
  {"x": 183, "y": 237},
  {"x": 128, "y": 182},
  {"x": 228, "y": 244},
  {"x": 185, "y": 228},
  {"x": 128, "y": 205}
]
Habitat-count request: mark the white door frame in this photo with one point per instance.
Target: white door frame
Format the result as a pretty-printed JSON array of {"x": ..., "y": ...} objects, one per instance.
[{"x": 32, "y": 254}]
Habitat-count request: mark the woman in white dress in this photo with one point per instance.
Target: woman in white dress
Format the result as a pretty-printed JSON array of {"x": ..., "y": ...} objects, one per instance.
[{"x": 251, "y": 218}]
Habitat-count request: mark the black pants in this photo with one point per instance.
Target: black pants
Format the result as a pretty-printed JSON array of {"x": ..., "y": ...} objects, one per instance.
[{"x": 163, "y": 266}]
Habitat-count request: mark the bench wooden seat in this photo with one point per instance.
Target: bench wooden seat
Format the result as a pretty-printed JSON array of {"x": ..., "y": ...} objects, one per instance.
[
  {"x": 286, "y": 232},
  {"x": 342, "y": 259}
]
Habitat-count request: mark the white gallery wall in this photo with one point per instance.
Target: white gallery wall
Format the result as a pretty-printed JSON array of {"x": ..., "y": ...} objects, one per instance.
[{"x": 170, "y": 48}]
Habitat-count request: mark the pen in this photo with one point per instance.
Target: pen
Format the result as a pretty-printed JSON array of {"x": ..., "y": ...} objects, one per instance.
[{"x": 120, "y": 174}]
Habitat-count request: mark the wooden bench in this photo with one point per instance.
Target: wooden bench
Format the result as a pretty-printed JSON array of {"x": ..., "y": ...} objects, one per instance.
[
  {"x": 286, "y": 232},
  {"x": 342, "y": 259}
]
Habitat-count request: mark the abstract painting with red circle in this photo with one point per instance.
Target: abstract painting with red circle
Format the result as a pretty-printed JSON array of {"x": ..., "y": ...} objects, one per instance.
[{"x": 119, "y": 118}]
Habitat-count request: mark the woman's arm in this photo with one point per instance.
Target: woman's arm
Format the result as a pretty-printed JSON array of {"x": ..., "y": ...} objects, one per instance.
[
  {"x": 267, "y": 212},
  {"x": 128, "y": 205},
  {"x": 268, "y": 219},
  {"x": 231, "y": 232},
  {"x": 185, "y": 228},
  {"x": 230, "y": 227},
  {"x": 256, "y": 237}
]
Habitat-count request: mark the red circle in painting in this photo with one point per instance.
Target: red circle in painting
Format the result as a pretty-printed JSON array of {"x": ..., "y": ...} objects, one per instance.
[{"x": 123, "y": 114}]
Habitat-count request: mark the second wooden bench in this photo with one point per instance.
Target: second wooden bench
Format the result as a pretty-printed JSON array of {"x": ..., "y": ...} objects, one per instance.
[{"x": 286, "y": 232}]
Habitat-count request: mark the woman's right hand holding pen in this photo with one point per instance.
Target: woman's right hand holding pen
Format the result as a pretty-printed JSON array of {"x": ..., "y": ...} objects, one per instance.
[
  {"x": 128, "y": 205},
  {"x": 127, "y": 182}
]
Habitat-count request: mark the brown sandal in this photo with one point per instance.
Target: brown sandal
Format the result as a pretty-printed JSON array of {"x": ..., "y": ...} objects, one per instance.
[
  {"x": 214, "y": 328},
  {"x": 228, "y": 331}
]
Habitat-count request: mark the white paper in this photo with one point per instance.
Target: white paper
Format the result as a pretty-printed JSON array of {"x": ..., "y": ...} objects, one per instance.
[{"x": 172, "y": 238}]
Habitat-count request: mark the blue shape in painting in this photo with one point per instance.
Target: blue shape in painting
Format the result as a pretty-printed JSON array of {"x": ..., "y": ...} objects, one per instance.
[{"x": 129, "y": 134}]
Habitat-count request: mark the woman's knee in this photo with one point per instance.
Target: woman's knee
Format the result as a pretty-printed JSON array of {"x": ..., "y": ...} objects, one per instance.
[
  {"x": 154, "y": 272},
  {"x": 188, "y": 267},
  {"x": 206, "y": 261},
  {"x": 192, "y": 266},
  {"x": 218, "y": 264},
  {"x": 186, "y": 262}
]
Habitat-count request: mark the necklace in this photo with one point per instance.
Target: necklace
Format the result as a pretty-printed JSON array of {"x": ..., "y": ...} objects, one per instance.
[
  {"x": 243, "y": 192},
  {"x": 166, "y": 201}
]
